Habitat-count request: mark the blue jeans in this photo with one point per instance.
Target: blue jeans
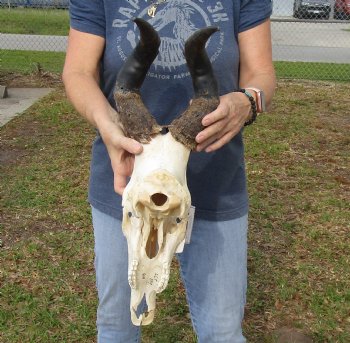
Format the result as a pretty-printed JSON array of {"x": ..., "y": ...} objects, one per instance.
[{"x": 213, "y": 269}]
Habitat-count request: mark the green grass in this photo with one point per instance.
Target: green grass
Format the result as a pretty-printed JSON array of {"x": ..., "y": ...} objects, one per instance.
[
  {"x": 299, "y": 243},
  {"x": 313, "y": 71},
  {"x": 34, "y": 21},
  {"x": 305, "y": 181},
  {"x": 28, "y": 61}
]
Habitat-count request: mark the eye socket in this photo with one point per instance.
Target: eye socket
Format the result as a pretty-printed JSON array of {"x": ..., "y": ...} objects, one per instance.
[
  {"x": 129, "y": 214},
  {"x": 178, "y": 220},
  {"x": 159, "y": 199}
]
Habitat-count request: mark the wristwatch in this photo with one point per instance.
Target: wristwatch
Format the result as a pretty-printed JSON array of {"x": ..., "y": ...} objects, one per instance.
[{"x": 260, "y": 99}]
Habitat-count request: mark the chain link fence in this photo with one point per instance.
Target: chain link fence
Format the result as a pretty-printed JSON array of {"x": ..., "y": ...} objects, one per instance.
[
  {"x": 35, "y": 3},
  {"x": 311, "y": 38}
]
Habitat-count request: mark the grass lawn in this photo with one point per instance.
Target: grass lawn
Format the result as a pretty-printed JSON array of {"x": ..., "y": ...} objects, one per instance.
[
  {"x": 299, "y": 267},
  {"x": 29, "y": 61},
  {"x": 34, "y": 21},
  {"x": 313, "y": 71}
]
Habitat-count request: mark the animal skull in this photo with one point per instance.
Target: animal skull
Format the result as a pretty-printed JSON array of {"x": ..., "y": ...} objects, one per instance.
[
  {"x": 156, "y": 201},
  {"x": 156, "y": 204}
]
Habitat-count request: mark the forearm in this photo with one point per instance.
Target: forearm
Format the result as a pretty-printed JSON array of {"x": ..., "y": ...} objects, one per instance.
[
  {"x": 256, "y": 67},
  {"x": 264, "y": 80},
  {"x": 86, "y": 96},
  {"x": 81, "y": 78}
]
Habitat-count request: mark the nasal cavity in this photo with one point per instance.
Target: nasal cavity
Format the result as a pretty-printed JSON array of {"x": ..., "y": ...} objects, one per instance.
[{"x": 159, "y": 199}]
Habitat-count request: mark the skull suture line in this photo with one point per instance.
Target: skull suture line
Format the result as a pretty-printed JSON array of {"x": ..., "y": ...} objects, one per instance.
[{"x": 156, "y": 201}]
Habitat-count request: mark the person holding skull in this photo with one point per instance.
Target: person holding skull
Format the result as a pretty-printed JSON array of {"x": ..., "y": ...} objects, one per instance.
[{"x": 214, "y": 264}]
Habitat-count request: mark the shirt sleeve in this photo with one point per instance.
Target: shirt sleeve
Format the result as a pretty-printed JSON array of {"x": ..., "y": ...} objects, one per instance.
[
  {"x": 253, "y": 13},
  {"x": 88, "y": 16}
]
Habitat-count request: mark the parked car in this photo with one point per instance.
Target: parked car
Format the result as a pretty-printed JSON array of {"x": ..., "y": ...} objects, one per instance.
[
  {"x": 342, "y": 9},
  {"x": 312, "y": 9}
]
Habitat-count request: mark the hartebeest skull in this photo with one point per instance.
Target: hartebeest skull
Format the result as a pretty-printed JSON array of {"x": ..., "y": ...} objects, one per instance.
[{"x": 156, "y": 201}]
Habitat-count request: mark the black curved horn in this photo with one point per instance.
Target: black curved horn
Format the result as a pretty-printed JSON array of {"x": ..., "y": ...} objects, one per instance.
[
  {"x": 134, "y": 70},
  {"x": 134, "y": 118},
  {"x": 206, "y": 95},
  {"x": 204, "y": 82}
]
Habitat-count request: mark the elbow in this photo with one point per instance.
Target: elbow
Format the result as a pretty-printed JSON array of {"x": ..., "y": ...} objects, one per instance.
[
  {"x": 67, "y": 81},
  {"x": 270, "y": 92},
  {"x": 65, "y": 76},
  {"x": 272, "y": 89},
  {"x": 68, "y": 73}
]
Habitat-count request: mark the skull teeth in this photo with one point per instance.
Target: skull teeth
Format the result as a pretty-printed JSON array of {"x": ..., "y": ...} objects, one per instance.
[
  {"x": 132, "y": 274},
  {"x": 164, "y": 279}
]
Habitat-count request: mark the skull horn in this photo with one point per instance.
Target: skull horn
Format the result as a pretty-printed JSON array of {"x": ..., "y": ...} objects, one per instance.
[
  {"x": 204, "y": 82},
  {"x": 206, "y": 95},
  {"x": 134, "y": 117}
]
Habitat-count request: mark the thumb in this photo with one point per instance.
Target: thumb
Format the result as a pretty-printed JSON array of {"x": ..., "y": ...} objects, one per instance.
[{"x": 131, "y": 145}]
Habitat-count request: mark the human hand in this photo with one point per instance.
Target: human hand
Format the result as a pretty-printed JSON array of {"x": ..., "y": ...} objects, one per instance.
[
  {"x": 225, "y": 122},
  {"x": 122, "y": 151}
]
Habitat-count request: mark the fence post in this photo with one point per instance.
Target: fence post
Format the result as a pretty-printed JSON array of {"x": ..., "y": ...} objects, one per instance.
[{"x": 331, "y": 15}]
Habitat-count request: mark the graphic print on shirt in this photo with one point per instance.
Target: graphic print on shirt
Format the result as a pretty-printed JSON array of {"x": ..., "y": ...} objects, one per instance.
[{"x": 175, "y": 21}]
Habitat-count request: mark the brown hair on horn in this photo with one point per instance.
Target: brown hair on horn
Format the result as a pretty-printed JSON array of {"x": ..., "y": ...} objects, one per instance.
[
  {"x": 206, "y": 95},
  {"x": 135, "y": 119}
]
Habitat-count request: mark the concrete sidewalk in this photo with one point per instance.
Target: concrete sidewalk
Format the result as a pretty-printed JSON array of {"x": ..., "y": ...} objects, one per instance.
[{"x": 18, "y": 100}]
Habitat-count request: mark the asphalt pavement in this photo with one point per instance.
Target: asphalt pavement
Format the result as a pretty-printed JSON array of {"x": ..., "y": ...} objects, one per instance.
[
  {"x": 311, "y": 42},
  {"x": 33, "y": 42}
]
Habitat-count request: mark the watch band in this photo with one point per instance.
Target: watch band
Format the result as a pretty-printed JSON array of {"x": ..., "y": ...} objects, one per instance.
[
  {"x": 260, "y": 99},
  {"x": 253, "y": 106}
]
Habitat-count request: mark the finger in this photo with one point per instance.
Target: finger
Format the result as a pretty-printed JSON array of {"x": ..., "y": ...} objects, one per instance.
[
  {"x": 220, "y": 142},
  {"x": 218, "y": 114},
  {"x": 130, "y": 145},
  {"x": 211, "y": 131},
  {"x": 122, "y": 165},
  {"x": 119, "y": 183},
  {"x": 206, "y": 143}
]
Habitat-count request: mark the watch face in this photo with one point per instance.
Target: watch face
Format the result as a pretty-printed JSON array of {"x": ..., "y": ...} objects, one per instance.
[{"x": 262, "y": 101}]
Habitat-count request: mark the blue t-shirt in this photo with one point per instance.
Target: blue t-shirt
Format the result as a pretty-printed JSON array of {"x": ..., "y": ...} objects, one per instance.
[{"x": 216, "y": 180}]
